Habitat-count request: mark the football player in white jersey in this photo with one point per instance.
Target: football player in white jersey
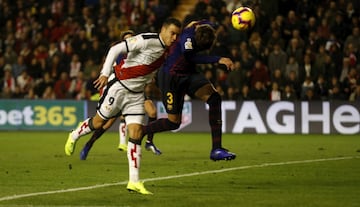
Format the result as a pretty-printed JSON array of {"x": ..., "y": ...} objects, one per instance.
[
  {"x": 150, "y": 110},
  {"x": 124, "y": 91}
]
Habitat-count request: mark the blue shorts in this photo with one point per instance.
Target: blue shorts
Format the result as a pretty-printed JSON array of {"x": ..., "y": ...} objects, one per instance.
[{"x": 174, "y": 87}]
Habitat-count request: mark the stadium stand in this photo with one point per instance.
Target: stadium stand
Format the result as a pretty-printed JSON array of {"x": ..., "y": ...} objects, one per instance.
[{"x": 54, "y": 49}]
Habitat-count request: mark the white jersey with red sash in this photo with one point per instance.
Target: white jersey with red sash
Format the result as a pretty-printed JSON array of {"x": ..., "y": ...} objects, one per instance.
[{"x": 145, "y": 54}]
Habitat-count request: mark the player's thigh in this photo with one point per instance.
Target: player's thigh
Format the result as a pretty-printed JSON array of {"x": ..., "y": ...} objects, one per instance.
[
  {"x": 133, "y": 109},
  {"x": 109, "y": 123},
  {"x": 97, "y": 121},
  {"x": 111, "y": 101},
  {"x": 150, "y": 108},
  {"x": 200, "y": 87},
  {"x": 204, "y": 92}
]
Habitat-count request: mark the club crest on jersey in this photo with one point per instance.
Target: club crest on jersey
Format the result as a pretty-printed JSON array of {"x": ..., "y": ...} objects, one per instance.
[
  {"x": 131, "y": 39},
  {"x": 188, "y": 44}
]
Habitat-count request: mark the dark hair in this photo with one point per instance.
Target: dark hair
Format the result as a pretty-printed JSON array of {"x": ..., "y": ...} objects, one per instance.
[
  {"x": 171, "y": 20},
  {"x": 124, "y": 33},
  {"x": 204, "y": 37}
]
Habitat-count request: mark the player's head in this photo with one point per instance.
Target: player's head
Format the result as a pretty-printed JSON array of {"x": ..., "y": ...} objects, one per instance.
[
  {"x": 204, "y": 37},
  {"x": 123, "y": 36},
  {"x": 126, "y": 34},
  {"x": 170, "y": 30}
]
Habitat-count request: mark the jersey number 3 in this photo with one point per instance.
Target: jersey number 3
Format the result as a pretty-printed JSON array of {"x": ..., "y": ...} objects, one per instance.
[{"x": 170, "y": 98}]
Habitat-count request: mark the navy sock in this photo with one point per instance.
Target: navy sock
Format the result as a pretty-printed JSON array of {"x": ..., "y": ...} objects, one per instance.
[
  {"x": 159, "y": 125},
  {"x": 96, "y": 135},
  {"x": 215, "y": 122},
  {"x": 150, "y": 135}
]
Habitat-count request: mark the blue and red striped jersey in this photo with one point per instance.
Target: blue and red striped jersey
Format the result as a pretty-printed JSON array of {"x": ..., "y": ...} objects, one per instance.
[{"x": 183, "y": 54}]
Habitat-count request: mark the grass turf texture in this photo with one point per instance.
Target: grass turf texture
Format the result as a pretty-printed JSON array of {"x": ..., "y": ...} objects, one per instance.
[{"x": 33, "y": 162}]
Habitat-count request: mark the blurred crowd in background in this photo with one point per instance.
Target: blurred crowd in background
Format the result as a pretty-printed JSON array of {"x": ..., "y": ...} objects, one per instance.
[{"x": 298, "y": 49}]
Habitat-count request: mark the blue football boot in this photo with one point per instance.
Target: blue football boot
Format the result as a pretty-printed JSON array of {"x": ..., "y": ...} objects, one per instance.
[
  {"x": 221, "y": 154},
  {"x": 84, "y": 152},
  {"x": 149, "y": 146}
]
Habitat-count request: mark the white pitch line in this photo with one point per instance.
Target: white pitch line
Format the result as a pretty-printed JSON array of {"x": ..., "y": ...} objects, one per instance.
[{"x": 14, "y": 197}]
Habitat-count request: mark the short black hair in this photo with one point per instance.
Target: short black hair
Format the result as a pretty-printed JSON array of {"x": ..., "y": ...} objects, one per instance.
[{"x": 172, "y": 20}]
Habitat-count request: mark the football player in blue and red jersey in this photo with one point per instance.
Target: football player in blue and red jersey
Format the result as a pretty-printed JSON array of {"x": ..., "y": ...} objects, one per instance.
[{"x": 178, "y": 76}]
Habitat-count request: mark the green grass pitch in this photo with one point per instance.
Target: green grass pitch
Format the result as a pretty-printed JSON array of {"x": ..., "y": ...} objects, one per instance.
[{"x": 270, "y": 170}]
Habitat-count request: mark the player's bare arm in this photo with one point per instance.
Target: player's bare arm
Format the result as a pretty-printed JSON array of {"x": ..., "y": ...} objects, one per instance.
[
  {"x": 107, "y": 69},
  {"x": 191, "y": 24}
]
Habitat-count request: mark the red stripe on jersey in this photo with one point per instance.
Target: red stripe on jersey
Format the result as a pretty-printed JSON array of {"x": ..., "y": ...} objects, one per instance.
[{"x": 139, "y": 70}]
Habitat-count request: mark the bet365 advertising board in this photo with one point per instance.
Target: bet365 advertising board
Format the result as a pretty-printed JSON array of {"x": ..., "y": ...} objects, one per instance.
[{"x": 41, "y": 114}]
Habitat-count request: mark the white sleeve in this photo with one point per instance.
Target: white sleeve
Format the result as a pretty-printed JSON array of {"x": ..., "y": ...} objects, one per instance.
[
  {"x": 113, "y": 53},
  {"x": 136, "y": 43},
  {"x": 131, "y": 44}
]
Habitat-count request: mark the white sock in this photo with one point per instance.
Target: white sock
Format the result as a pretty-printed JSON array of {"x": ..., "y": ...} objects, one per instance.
[
  {"x": 134, "y": 158},
  {"x": 82, "y": 130},
  {"x": 122, "y": 132}
]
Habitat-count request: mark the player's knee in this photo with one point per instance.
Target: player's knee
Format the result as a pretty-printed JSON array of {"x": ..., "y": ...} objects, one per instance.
[
  {"x": 214, "y": 99},
  {"x": 173, "y": 125},
  {"x": 152, "y": 114},
  {"x": 135, "y": 131},
  {"x": 95, "y": 123}
]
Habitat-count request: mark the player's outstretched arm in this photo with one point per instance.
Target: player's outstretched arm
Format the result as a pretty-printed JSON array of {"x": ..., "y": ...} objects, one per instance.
[{"x": 227, "y": 62}]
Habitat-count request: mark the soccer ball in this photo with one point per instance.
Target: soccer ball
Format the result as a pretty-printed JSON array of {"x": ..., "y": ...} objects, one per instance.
[{"x": 243, "y": 18}]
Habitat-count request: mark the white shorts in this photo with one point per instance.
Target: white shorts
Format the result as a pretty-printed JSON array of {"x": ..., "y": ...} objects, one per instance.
[{"x": 117, "y": 100}]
